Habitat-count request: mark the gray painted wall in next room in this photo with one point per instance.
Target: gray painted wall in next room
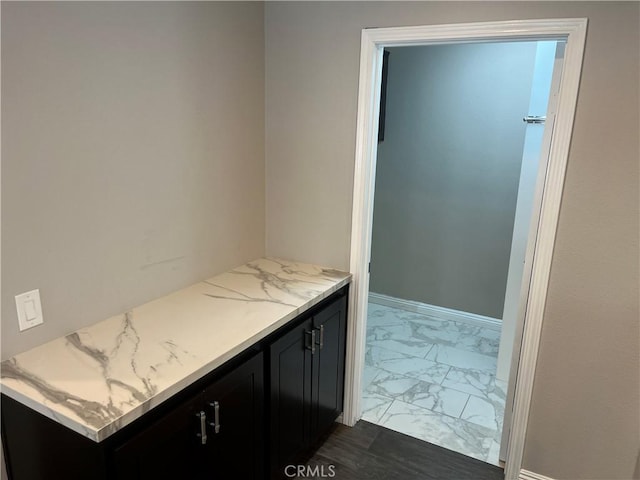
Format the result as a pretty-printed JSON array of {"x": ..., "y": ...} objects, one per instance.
[{"x": 448, "y": 171}]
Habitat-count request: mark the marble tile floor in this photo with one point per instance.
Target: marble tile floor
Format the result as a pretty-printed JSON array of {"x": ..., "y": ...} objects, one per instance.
[{"x": 434, "y": 379}]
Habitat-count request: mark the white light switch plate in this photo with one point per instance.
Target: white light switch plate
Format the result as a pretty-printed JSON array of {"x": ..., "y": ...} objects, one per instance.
[{"x": 29, "y": 309}]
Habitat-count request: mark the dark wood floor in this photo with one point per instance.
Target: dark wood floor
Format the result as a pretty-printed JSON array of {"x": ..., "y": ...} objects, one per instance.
[{"x": 371, "y": 452}]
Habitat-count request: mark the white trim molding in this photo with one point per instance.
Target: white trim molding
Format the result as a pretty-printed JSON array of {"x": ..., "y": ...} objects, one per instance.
[
  {"x": 373, "y": 41},
  {"x": 527, "y": 475},
  {"x": 442, "y": 313}
]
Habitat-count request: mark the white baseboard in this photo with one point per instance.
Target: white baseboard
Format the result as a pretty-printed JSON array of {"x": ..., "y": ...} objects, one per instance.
[
  {"x": 435, "y": 311},
  {"x": 527, "y": 475}
]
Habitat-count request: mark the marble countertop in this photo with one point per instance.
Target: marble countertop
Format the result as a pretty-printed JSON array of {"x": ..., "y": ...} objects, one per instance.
[{"x": 101, "y": 378}]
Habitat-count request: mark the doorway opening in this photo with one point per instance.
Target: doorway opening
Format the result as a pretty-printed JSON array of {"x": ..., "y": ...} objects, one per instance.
[
  {"x": 544, "y": 211},
  {"x": 455, "y": 179}
]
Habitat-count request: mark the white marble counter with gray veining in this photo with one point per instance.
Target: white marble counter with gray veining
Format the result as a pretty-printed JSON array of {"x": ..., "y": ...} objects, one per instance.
[{"x": 101, "y": 378}]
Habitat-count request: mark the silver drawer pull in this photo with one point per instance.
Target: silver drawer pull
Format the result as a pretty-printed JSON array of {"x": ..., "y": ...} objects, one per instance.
[
  {"x": 203, "y": 427},
  {"x": 312, "y": 347},
  {"x": 321, "y": 339},
  {"x": 216, "y": 417}
]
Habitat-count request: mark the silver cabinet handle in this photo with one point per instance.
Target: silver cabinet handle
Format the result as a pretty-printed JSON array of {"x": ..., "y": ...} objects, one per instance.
[
  {"x": 321, "y": 342},
  {"x": 216, "y": 417},
  {"x": 313, "y": 341},
  {"x": 203, "y": 427}
]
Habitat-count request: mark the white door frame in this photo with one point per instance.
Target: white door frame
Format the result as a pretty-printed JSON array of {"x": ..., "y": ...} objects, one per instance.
[{"x": 373, "y": 42}]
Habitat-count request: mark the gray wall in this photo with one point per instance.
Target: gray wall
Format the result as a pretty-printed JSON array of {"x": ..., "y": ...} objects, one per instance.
[
  {"x": 132, "y": 154},
  {"x": 584, "y": 418},
  {"x": 98, "y": 201},
  {"x": 448, "y": 172}
]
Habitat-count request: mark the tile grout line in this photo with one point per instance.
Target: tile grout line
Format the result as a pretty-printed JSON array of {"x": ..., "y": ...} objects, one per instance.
[
  {"x": 445, "y": 377},
  {"x": 385, "y": 411},
  {"x": 465, "y": 406},
  {"x": 433, "y": 345}
]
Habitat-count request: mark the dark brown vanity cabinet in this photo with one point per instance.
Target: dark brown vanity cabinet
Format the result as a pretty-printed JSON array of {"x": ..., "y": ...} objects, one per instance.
[
  {"x": 216, "y": 434},
  {"x": 213, "y": 430},
  {"x": 306, "y": 383},
  {"x": 246, "y": 420}
]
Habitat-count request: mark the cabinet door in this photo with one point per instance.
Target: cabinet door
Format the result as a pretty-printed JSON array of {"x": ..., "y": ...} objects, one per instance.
[
  {"x": 170, "y": 448},
  {"x": 234, "y": 407},
  {"x": 36, "y": 447},
  {"x": 328, "y": 366},
  {"x": 290, "y": 397}
]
